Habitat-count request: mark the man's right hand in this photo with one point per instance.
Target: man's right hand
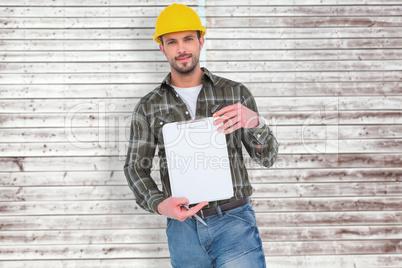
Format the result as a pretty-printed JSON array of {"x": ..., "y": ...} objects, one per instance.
[{"x": 171, "y": 207}]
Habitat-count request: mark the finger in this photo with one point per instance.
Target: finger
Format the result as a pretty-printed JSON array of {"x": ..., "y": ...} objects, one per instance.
[
  {"x": 230, "y": 123},
  {"x": 196, "y": 208},
  {"x": 226, "y": 116},
  {"x": 224, "y": 110},
  {"x": 232, "y": 128}
]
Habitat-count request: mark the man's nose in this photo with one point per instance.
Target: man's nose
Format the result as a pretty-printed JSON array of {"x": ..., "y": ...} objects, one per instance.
[{"x": 182, "y": 48}]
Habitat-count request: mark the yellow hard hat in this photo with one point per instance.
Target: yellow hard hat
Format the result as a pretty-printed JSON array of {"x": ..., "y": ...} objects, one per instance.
[{"x": 177, "y": 18}]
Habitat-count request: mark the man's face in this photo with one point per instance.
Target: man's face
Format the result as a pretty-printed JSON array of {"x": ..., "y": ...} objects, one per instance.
[{"x": 182, "y": 50}]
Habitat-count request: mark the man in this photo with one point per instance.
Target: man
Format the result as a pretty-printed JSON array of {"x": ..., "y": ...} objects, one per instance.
[{"x": 231, "y": 238}]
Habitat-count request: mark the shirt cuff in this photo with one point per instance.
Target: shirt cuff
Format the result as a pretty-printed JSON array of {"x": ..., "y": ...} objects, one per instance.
[
  {"x": 260, "y": 133},
  {"x": 154, "y": 202}
]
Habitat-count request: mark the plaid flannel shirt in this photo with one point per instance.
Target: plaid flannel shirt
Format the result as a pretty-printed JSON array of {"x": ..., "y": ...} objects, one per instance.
[{"x": 163, "y": 105}]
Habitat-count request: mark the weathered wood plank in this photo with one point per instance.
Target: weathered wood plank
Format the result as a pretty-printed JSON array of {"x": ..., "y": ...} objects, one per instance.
[
  {"x": 360, "y": 261},
  {"x": 92, "y": 263},
  {"x": 298, "y": 55},
  {"x": 329, "y": 190},
  {"x": 161, "y": 250},
  {"x": 304, "y": 22},
  {"x": 117, "y": 147},
  {"x": 268, "y": 234},
  {"x": 336, "y": 233},
  {"x": 52, "y": 120},
  {"x": 51, "y": 135},
  {"x": 257, "y": 66},
  {"x": 211, "y": 44},
  {"x": 292, "y": 3},
  {"x": 260, "y": 191},
  {"x": 294, "y": 219},
  {"x": 136, "y": 236},
  {"x": 333, "y": 247},
  {"x": 128, "y": 205},
  {"x": 84, "y": 251},
  {"x": 272, "y": 104},
  {"x": 87, "y": 90},
  {"x": 67, "y": 222},
  {"x": 245, "y": 77},
  {"x": 95, "y": 3},
  {"x": 312, "y": 89},
  {"x": 94, "y": 178},
  {"x": 302, "y": 44},
  {"x": 301, "y": 33},
  {"x": 213, "y": 22},
  {"x": 108, "y": 3},
  {"x": 88, "y": 163},
  {"x": 213, "y": 33},
  {"x": 308, "y": 161},
  {"x": 302, "y": 145},
  {"x": 211, "y": 11},
  {"x": 212, "y": 55}
]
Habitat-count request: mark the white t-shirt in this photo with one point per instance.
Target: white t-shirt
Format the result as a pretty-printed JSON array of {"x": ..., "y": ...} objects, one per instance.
[{"x": 189, "y": 95}]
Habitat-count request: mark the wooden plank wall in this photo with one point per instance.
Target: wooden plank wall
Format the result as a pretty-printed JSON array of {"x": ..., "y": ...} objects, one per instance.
[{"x": 326, "y": 73}]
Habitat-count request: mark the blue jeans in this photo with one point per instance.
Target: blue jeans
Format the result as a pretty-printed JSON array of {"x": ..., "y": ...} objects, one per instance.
[{"x": 230, "y": 240}]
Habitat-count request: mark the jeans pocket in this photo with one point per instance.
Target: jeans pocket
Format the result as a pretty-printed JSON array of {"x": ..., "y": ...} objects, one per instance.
[
  {"x": 245, "y": 216},
  {"x": 169, "y": 222}
]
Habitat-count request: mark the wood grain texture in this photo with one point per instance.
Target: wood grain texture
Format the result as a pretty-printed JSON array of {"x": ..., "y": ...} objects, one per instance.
[
  {"x": 37, "y": 203},
  {"x": 98, "y": 148},
  {"x": 245, "y": 77},
  {"x": 360, "y": 261},
  {"x": 213, "y": 44},
  {"x": 271, "y": 104},
  {"x": 284, "y": 161},
  {"x": 212, "y": 11},
  {"x": 213, "y": 34},
  {"x": 346, "y": 133},
  {"x": 320, "y": 190},
  {"x": 215, "y": 22},
  {"x": 193, "y": 3},
  {"x": 325, "y": 74},
  {"x": 256, "y": 66},
  {"x": 110, "y": 90},
  {"x": 138, "y": 236},
  {"x": 262, "y": 176},
  {"x": 138, "y": 221}
]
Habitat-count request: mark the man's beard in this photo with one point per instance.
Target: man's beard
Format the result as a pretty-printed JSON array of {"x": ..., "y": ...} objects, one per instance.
[{"x": 185, "y": 69}]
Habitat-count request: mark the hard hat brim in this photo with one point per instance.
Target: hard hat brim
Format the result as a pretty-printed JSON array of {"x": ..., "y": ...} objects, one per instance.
[{"x": 156, "y": 37}]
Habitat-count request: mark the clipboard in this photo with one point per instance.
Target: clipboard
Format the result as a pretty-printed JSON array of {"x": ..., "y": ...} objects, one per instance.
[{"x": 197, "y": 160}]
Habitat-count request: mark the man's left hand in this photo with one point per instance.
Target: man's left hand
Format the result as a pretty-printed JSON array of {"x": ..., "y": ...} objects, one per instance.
[{"x": 236, "y": 116}]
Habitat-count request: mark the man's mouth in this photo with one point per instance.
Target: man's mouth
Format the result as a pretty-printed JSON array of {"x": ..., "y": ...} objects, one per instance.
[{"x": 183, "y": 59}]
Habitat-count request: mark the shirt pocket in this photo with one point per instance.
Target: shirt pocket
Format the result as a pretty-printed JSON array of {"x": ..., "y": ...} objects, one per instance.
[{"x": 157, "y": 124}]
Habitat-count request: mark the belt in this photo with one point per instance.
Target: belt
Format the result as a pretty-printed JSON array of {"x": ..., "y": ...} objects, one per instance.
[{"x": 228, "y": 206}]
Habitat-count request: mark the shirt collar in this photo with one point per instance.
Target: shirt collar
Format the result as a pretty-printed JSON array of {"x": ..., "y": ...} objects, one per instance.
[{"x": 207, "y": 73}]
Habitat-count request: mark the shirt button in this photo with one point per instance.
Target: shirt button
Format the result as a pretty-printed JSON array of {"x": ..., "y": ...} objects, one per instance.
[
  {"x": 161, "y": 123},
  {"x": 259, "y": 135},
  {"x": 177, "y": 95},
  {"x": 186, "y": 112}
]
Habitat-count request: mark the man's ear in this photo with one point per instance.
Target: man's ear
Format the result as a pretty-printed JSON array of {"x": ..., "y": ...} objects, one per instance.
[
  {"x": 162, "y": 49},
  {"x": 202, "y": 40}
]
